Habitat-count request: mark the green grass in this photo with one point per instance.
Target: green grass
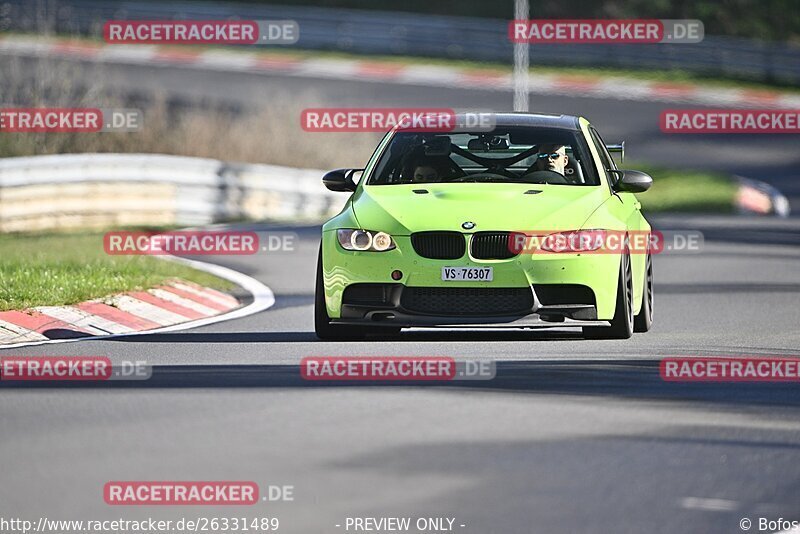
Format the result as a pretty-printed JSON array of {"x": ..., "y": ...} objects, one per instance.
[
  {"x": 66, "y": 268},
  {"x": 686, "y": 191}
]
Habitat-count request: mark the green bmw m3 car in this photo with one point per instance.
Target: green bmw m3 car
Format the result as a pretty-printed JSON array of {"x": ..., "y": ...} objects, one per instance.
[{"x": 504, "y": 228}]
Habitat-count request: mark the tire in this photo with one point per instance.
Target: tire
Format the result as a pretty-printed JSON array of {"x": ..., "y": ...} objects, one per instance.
[
  {"x": 622, "y": 323},
  {"x": 322, "y": 325},
  {"x": 644, "y": 319}
]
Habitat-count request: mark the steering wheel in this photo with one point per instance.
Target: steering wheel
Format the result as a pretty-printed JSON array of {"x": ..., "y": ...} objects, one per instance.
[
  {"x": 545, "y": 177},
  {"x": 489, "y": 174},
  {"x": 479, "y": 177},
  {"x": 456, "y": 172},
  {"x": 502, "y": 171}
]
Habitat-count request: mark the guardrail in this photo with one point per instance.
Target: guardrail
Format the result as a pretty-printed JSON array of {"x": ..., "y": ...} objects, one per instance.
[
  {"x": 105, "y": 190},
  {"x": 376, "y": 32}
]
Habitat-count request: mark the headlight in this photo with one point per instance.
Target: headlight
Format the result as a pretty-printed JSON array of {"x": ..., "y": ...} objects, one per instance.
[
  {"x": 575, "y": 241},
  {"x": 365, "y": 240}
]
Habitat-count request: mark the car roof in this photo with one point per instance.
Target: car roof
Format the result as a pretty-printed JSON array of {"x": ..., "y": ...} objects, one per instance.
[{"x": 538, "y": 120}]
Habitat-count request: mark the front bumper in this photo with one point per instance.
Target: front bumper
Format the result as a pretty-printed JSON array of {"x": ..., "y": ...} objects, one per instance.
[
  {"x": 549, "y": 279},
  {"x": 399, "y": 305}
]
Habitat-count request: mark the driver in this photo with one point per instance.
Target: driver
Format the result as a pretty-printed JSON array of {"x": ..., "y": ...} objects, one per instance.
[
  {"x": 551, "y": 157},
  {"x": 419, "y": 168},
  {"x": 425, "y": 173}
]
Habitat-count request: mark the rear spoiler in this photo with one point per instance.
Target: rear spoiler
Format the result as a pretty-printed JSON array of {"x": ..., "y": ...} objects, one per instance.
[{"x": 618, "y": 148}]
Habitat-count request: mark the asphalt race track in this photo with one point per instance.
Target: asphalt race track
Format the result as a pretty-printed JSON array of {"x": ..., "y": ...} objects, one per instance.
[{"x": 572, "y": 435}]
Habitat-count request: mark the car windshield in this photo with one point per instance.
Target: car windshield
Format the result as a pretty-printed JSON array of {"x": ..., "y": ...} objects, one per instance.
[{"x": 507, "y": 155}]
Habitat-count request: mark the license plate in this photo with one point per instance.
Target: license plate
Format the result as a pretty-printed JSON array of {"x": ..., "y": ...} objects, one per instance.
[{"x": 467, "y": 274}]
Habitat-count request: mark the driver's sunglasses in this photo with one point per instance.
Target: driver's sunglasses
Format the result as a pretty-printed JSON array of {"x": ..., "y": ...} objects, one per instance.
[{"x": 554, "y": 155}]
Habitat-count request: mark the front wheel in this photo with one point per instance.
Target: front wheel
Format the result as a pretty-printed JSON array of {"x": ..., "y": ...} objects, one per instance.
[
  {"x": 644, "y": 319},
  {"x": 322, "y": 323},
  {"x": 622, "y": 323}
]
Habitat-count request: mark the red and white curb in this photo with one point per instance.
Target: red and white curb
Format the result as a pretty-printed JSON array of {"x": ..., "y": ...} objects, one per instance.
[
  {"x": 178, "y": 305},
  {"x": 397, "y": 73}
]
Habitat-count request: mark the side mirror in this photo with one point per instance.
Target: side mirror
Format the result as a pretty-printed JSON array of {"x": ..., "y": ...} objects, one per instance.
[
  {"x": 340, "y": 180},
  {"x": 632, "y": 181}
]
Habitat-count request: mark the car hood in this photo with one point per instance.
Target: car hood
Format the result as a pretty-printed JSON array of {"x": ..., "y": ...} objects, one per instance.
[{"x": 398, "y": 210}]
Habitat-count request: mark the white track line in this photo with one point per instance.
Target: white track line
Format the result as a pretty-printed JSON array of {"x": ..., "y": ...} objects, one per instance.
[{"x": 709, "y": 505}]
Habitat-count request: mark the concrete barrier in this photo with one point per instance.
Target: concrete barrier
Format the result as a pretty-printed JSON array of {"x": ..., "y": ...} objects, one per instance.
[{"x": 104, "y": 190}]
